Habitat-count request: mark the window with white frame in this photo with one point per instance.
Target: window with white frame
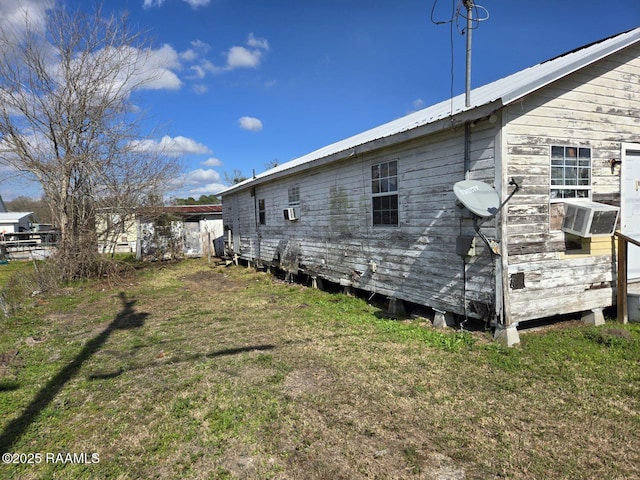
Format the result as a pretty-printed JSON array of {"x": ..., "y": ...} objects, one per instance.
[
  {"x": 570, "y": 172},
  {"x": 384, "y": 191}
]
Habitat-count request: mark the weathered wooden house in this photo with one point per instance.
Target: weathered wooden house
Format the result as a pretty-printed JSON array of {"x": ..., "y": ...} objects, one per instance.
[{"x": 377, "y": 211}]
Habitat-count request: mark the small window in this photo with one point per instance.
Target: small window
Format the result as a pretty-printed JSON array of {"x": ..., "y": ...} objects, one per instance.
[
  {"x": 384, "y": 188},
  {"x": 262, "y": 212},
  {"x": 294, "y": 195},
  {"x": 570, "y": 172}
]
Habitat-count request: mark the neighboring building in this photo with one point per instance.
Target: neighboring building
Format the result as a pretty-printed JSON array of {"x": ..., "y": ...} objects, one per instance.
[
  {"x": 377, "y": 211},
  {"x": 117, "y": 231},
  {"x": 3, "y": 207},
  {"x": 184, "y": 230},
  {"x": 14, "y": 222}
]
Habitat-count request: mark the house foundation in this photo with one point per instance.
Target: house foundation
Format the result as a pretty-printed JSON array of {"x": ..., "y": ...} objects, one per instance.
[
  {"x": 506, "y": 336},
  {"x": 593, "y": 317}
]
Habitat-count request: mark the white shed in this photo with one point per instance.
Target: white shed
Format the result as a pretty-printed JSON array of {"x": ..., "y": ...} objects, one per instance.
[{"x": 12, "y": 222}]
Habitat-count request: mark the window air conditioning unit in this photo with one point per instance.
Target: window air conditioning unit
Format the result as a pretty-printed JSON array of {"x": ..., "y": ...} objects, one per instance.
[
  {"x": 589, "y": 219},
  {"x": 290, "y": 214}
]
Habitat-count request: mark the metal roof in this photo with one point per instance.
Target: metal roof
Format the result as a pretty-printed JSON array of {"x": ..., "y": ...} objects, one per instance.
[
  {"x": 13, "y": 217},
  {"x": 503, "y": 92},
  {"x": 194, "y": 208}
]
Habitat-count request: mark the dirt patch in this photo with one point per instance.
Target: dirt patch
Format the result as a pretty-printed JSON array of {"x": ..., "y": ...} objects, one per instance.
[
  {"x": 306, "y": 381},
  {"x": 210, "y": 281}
]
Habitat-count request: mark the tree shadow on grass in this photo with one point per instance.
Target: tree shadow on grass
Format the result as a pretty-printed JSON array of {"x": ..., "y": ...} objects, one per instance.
[
  {"x": 183, "y": 359},
  {"x": 126, "y": 319}
]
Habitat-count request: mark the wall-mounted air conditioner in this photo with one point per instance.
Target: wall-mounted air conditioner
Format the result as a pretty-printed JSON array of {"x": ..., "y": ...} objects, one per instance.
[
  {"x": 290, "y": 214},
  {"x": 589, "y": 219}
]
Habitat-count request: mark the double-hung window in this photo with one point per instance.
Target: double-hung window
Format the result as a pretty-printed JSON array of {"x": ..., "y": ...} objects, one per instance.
[
  {"x": 570, "y": 172},
  {"x": 262, "y": 212},
  {"x": 294, "y": 196},
  {"x": 384, "y": 191}
]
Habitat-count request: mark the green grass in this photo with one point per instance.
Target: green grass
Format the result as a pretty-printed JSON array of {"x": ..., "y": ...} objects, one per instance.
[
  {"x": 192, "y": 371},
  {"x": 7, "y": 270}
]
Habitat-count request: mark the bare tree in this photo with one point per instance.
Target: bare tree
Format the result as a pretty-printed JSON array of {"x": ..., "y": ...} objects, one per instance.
[{"x": 67, "y": 119}]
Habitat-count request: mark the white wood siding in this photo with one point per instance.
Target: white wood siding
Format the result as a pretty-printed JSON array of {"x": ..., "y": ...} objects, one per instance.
[
  {"x": 597, "y": 107},
  {"x": 335, "y": 239}
]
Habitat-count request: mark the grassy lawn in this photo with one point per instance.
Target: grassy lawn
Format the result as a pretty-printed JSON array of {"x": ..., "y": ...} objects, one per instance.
[{"x": 193, "y": 371}]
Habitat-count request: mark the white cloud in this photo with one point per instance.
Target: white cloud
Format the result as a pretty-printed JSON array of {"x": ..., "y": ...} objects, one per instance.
[
  {"x": 192, "y": 3},
  {"x": 152, "y": 3},
  {"x": 159, "y": 66},
  {"x": 251, "y": 124},
  {"x": 173, "y": 147},
  {"x": 201, "y": 175},
  {"x": 197, "y": 3},
  {"x": 14, "y": 12},
  {"x": 260, "y": 43},
  {"x": 241, "y": 57},
  {"x": 192, "y": 54},
  {"x": 198, "y": 182},
  {"x": 418, "y": 104},
  {"x": 212, "y": 162},
  {"x": 200, "y": 89}
]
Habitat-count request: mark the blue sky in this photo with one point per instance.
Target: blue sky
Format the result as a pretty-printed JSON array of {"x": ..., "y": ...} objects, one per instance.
[{"x": 249, "y": 82}]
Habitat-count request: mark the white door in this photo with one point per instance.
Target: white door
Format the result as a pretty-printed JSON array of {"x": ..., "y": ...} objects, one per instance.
[{"x": 630, "y": 204}]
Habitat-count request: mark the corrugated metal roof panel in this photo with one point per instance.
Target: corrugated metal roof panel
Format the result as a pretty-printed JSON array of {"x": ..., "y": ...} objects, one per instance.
[
  {"x": 194, "y": 208},
  {"x": 505, "y": 91},
  {"x": 13, "y": 217}
]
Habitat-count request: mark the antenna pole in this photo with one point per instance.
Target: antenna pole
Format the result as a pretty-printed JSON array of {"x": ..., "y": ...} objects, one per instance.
[{"x": 469, "y": 6}]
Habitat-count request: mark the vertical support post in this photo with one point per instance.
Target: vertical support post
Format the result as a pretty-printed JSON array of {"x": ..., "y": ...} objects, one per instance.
[{"x": 623, "y": 315}]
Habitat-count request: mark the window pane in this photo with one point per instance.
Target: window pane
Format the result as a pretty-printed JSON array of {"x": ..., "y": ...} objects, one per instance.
[
  {"x": 384, "y": 185},
  {"x": 375, "y": 172},
  {"x": 393, "y": 202},
  {"x": 377, "y": 218},
  {"x": 384, "y": 170},
  {"x": 393, "y": 184},
  {"x": 393, "y": 168},
  {"x": 557, "y": 176},
  {"x": 570, "y": 152},
  {"x": 377, "y": 203},
  {"x": 585, "y": 153},
  {"x": 393, "y": 217},
  {"x": 375, "y": 186},
  {"x": 557, "y": 152},
  {"x": 584, "y": 176}
]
